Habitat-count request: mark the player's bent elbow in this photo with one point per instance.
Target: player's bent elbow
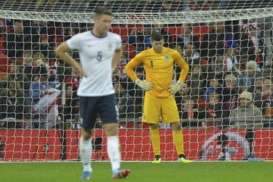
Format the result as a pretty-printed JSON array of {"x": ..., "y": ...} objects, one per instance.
[
  {"x": 126, "y": 69},
  {"x": 187, "y": 68},
  {"x": 61, "y": 49},
  {"x": 58, "y": 51}
]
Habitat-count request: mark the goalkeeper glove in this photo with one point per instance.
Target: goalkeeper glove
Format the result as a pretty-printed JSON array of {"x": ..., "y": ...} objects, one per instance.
[
  {"x": 146, "y": 86},
  {"x": 176, "y": 87}
]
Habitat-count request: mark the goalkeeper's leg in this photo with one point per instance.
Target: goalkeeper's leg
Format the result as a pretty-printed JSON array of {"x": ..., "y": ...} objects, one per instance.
[
  {"x": 152, "y": 116},
  {"x": 155, "y": 139},
  {"x": 178, "y": 141}
]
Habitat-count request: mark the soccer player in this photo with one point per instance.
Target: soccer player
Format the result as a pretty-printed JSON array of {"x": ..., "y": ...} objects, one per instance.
[
  {"x": 100, "y": 52},
  {"x": 159, "y": 101}
]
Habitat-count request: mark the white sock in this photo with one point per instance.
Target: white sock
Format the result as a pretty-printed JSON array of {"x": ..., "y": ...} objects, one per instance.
[
  {"x": 113, "y": 152},
  {"x": 85, "y": 149}
]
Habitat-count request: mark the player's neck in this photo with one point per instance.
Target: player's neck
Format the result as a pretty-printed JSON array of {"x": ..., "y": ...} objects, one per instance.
[{"x": 98, "y": 34}]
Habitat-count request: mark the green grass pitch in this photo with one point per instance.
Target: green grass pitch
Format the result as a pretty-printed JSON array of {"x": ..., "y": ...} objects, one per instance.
[{"x": 141, "y": 172}]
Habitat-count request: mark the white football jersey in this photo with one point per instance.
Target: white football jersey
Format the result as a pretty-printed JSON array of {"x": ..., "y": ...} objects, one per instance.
[{"x": 96, "y": 59}]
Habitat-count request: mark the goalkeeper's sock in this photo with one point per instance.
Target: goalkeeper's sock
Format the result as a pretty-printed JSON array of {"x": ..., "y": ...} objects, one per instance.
[
  {"x": 157, "y": 157},
  {"x": 85, "y": 147},
  {"x": 182, "y": 156},
  {"x": 178, "y": 141},
  {"x": 114, "y": 152},
  {"x": 155, "y": 138}
]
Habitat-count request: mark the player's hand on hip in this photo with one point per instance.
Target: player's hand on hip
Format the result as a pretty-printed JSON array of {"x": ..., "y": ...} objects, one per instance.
[
  {"x": 83, "y": 73},
  {"x": 145, "y": 85},
  {"x": 80, "y": 71},
  {"x": 174, "y": 88}
]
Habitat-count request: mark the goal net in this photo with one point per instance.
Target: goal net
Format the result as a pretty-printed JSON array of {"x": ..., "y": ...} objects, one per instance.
[{"x": 226, "y": 110}]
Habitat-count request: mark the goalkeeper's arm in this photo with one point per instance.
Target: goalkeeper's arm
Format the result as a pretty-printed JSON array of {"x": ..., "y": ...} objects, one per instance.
[
  {"x": 174, "y": 88},
  {"x": 143, "y": 84},
  {"x": 181, "y": 62},
  {"x": 129, "y": 69}
]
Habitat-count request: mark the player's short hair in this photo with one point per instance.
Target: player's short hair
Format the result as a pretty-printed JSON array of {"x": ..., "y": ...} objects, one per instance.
[
  {"x": 103, "y": 11},
  {"x": 156, "y": 35}
]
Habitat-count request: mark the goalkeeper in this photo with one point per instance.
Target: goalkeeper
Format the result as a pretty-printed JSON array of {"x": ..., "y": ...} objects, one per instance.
[{"x": 159, "y": 101}]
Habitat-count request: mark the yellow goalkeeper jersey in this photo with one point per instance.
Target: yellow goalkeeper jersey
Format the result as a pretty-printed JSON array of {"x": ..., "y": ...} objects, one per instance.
[{"x": 159, "y": 69}]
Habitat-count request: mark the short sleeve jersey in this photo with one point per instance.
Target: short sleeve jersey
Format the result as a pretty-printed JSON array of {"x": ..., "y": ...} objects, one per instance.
[{"x": 96, "y": 59}]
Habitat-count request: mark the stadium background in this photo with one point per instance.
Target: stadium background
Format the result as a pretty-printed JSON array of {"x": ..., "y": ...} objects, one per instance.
[{"x": 213, "y": 50}]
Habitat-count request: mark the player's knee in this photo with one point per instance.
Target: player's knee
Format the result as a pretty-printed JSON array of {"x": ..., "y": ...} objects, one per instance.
[
  {"x": 111, "y": 129},
  {"x": 86, "y": 133},
  {"x": 154, "y": 126},
  {"x": 176, "y": 126}
]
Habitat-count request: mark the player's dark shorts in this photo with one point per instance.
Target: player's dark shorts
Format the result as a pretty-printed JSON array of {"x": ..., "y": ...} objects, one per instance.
[{"x": 102, "y": 106}]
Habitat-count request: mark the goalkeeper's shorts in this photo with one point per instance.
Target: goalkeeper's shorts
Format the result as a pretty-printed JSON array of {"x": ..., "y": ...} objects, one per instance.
[{"x": 157, "y": 109}]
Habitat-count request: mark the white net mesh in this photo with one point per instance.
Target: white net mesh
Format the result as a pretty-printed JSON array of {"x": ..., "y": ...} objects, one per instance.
[
  {"x": 145, "y": 17},
  {"x": 228, "y": 45}
]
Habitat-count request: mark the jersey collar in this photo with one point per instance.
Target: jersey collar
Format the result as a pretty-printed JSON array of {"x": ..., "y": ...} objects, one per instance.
[{"x": 91, "y": 31}]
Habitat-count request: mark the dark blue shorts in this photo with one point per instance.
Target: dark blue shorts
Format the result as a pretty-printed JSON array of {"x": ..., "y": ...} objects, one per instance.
[{"x": 103, "y": 106}]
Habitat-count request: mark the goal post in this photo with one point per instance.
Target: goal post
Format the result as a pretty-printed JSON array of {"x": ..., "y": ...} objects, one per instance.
[{"x": 228, "y": 45}]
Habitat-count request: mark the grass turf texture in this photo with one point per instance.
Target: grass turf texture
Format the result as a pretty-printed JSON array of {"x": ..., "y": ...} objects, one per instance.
[{"x": 141, "y": 172}]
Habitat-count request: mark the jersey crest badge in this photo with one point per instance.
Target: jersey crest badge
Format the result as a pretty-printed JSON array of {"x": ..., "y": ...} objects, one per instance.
[{"x": 167, "y": 57}]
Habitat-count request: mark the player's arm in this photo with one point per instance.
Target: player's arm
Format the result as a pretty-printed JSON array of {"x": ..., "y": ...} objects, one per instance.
[
  {"x": 132, "y": 64},
  {"x": 63, "y": 52},
  {"x": 130, "y": 71},
  {"x": 116, "y": 58},
  {"x": 184, "y": 66},
  {"x": 184, "y": 70},
  {"x": 118, "y": 52}
]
